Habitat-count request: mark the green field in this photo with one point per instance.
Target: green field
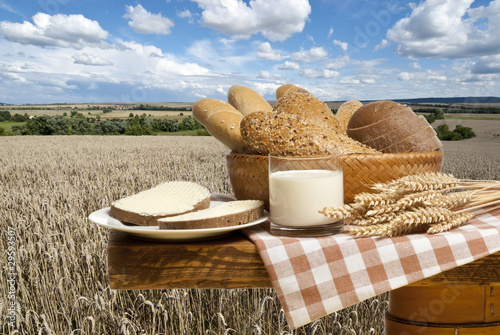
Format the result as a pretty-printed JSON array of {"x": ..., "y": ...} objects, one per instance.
[{"x": 7, "y": 126}]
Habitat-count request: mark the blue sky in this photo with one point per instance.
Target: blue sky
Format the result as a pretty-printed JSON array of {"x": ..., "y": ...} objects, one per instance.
[{"x": 183, "y": 50}]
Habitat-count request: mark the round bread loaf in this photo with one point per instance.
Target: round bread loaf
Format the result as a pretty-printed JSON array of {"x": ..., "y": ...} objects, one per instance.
[
  {"x": 374, "y": 112},
  {"x": 399, "y": 119},
  {"x": 346, "y": 110},
  {"x": 430, "y": 144},
  {"x": 393, "y": 137},
  {"x": 412, "y": 143},
  {"x": 309, "y": 107}
]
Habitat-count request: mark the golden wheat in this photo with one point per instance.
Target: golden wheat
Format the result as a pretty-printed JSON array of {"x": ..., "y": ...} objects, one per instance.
[{"x": 49, "y": 186}]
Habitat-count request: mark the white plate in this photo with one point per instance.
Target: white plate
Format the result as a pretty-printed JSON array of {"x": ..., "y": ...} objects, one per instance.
[{"x": 102, "y": 218}]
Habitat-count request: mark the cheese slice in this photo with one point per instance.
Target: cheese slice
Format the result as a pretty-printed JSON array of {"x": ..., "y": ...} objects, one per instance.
[
  {"x": 227, "y": 214},
  {"x": 166, "y": 199}
]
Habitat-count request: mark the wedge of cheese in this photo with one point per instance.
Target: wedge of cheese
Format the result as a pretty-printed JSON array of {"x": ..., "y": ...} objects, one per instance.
[
  {"x": 167, "y": 199},
  {"x": 227, "y": 214}
]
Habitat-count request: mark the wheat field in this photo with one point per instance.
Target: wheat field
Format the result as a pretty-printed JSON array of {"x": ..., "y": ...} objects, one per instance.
[{"x": 54, "y": 261}]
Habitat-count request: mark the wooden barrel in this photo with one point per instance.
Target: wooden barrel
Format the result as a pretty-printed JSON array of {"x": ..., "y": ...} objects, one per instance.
[{"x": 444, "y": 310}]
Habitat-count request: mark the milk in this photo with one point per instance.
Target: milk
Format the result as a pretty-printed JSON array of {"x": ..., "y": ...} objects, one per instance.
[{"x": 296, "y": 196}]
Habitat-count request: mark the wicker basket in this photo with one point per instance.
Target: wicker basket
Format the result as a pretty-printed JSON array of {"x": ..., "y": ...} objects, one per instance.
[{"x": 248, "y": 174}]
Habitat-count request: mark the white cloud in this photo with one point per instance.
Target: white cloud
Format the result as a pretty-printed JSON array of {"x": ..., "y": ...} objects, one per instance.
[
  {"x": 330, "y": 32},
  {"x": 276, "y": 20},
  {"x": 289, "y": 66},
  {"x": 448, "y": 29},
  {"x": 68, "y": 31},
  {"x": 342, "y": 45},
  {"x": 264, "y": 74},
  {"x": 59, "y": 74},
  {"x": 266, "y": 51},
  {"x": 383, "y": 44},
  {"x": 144, "y": 22},
  {"x": 415, "y": 65},
  {"x": 319, "y": 73},
  {"x": 338, "y": 63},
  {"x": 184, "y": 14},
  {"x": 86, "y": 59},
  {"x": 368, "y": 81},
  {"x": 487, "y": 65},
  {"x": 311, "y": 55},
  {"x": 405, "y": 76}
]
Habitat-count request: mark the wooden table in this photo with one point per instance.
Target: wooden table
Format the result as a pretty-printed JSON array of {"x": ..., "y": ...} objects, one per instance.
[{"x": 462, "y": 301}]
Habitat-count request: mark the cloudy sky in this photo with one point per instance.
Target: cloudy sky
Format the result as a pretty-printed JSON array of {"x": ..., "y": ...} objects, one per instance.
[{"x": 183, "y": 50}]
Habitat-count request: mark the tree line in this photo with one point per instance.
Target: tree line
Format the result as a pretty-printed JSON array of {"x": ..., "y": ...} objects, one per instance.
[
  {"x": 78, "y": 124},
  {"x": 443, "y": 131},
  {"x": 81, "y": 125}
]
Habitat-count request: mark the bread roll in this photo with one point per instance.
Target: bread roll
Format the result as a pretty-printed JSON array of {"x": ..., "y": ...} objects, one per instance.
[
  {"x": 288, "y": 88},
  {"x": 345, "y": 111},
  {"x": 374, "y": 112},
  {"x": 166, "y": 199},
  {"x": 284, "y": 134},
  {"x": 246, "y": 100},
  {"x": 309, "y": 107},
  {"x": 221, "y": 120},
  {"x": 227, "y": 214}
]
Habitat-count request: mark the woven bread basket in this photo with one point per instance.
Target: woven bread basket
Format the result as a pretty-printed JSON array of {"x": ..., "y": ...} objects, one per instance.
[{"x": 248, "y": 174}]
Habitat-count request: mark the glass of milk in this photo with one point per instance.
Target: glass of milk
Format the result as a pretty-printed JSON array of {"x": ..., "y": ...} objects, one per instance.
[{"x": 298, "y": 188}]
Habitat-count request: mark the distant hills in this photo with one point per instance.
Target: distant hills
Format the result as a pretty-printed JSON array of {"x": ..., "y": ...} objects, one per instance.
[{"x": 455, "y": 100}]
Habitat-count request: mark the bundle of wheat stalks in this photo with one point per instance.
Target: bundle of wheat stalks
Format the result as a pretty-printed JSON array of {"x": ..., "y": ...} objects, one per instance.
[{"x": 428, "y": 202}]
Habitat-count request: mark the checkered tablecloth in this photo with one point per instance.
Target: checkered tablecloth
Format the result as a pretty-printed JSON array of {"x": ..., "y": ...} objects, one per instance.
[{"x": 314, "y": 277}]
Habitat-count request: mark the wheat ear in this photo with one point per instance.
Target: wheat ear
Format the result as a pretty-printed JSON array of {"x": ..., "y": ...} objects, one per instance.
[{"x": 456, "y": 220}]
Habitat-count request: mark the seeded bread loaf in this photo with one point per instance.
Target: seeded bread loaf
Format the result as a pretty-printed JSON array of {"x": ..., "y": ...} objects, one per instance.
[
  {"x": 285, "y": 134},
  {"x": 227, "y": 214},
  {"x": 221, "y": 120},
  {"x": 246, "y": 100},
  {"x": 166, "y": 199},
  {"x": 309, "y": 107}
]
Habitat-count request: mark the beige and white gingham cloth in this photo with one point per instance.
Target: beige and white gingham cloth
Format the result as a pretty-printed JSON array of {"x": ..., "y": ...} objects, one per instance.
[{"x": 314, "y": 277}]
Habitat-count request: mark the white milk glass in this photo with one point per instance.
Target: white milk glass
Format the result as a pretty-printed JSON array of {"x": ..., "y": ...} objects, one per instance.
[{"x": 298, "y": 188}]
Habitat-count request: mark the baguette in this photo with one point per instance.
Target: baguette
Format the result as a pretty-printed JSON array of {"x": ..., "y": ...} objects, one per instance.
[
  {"x": 246, "y": 100},
  {"x": 221, "y": 120},
  {"x": 227, "y": 214},
  {"x": 166, "y": 199}
]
